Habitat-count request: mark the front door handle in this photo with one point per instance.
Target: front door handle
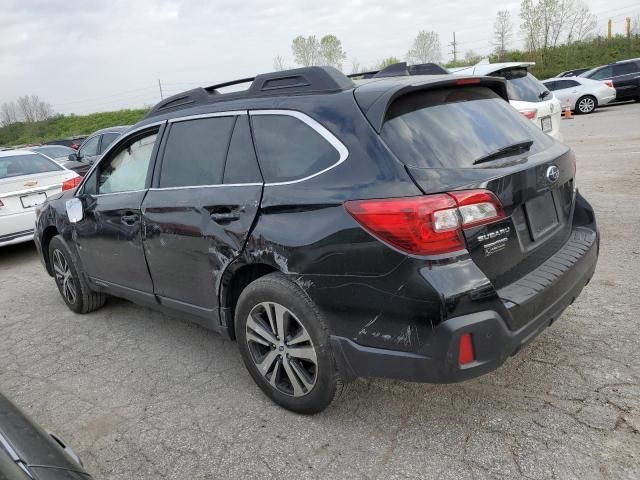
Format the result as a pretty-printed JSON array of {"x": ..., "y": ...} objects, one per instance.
[{"x": 129, "y": 219}]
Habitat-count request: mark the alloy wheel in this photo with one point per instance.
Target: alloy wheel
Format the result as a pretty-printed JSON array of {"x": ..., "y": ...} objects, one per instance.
[
  {"x": 586, "y": 105},
  {"x": 64, "y": 277},
  {"x": 282, "y": 349}
]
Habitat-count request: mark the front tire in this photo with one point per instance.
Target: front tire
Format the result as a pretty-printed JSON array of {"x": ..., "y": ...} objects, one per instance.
[
  {"x": 586, "y": 104},
  {"x": 74, "y": 290},
  {"x": 284, "y": 344}
]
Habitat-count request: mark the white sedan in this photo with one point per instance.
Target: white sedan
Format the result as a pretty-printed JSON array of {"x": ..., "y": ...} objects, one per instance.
[
  {"x": 526, "y": 93},
  {"x": 27, "y": 179},
  {"x": 582, "y": 95}
]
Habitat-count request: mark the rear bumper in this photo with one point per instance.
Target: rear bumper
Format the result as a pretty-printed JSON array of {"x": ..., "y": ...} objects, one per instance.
[{"x": 556, "y": 287}]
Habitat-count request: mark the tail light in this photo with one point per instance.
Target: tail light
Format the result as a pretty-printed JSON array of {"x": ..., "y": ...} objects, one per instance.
[
  {"x": 426, "y": 225},
  {"x": 71, "y": 183},
  {"x": 609, "y": 83},
  {"x": 1, "y": 204},
  {"x": 530, "y": 114}
]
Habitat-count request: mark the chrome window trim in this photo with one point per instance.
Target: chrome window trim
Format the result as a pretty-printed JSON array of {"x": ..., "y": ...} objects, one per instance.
[
  {"x": 117, "y": 141},
  {"x": 320, "y": 129},
  {"x": 118, "y": 193},
  {"x": 230, "y": 113}
]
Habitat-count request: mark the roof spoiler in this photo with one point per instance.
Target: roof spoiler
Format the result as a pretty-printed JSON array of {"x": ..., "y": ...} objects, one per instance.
[{"x": 401, "y": 69}]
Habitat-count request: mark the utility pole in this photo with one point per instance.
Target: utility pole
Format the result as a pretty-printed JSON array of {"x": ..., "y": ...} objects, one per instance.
[
  {"x": 453, "y": 45},
  {"x": 628, "y": 35},
  {"x": 160, "y": 87},
  {"x": 609, "y": 29}
]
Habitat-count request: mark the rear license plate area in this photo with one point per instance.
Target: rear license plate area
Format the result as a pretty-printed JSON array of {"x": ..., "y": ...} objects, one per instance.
[
  {"x": 546, "y": 124},
  {"x": 542, "y": 216},
  {"x": 29, "y": 201}
]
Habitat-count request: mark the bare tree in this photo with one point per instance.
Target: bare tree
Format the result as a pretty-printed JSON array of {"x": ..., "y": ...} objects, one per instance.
[
  {"x": 306, "y": 50},
  {"x": 31, "y": 109},
  {"x": 471, "y": 57},
  {"x": 502, "y": 32},
  {"x": 8, "y": 113},
  {"x": 548, "y": 23},
  {"x": 278, "y": 63},
  {"x": 331, "y": 51},
  {"x": 355, "y": 66},
  {"x": 426, "y": 48}
]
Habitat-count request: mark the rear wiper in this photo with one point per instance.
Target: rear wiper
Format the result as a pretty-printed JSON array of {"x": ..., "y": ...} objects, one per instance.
[
  {"x": 506, "y": 151},
  {"x": 544, "y": 94}
]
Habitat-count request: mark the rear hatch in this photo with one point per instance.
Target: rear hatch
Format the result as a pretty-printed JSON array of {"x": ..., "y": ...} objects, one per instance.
[{"x": 467, "y": 137}]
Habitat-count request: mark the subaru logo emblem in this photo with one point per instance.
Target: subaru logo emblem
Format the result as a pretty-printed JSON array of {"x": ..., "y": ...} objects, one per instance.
[{"x": 553, "y": 173}]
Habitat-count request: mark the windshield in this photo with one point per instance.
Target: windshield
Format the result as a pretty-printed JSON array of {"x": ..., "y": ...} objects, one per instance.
[
  {"x": 28, "y": 164},
  {"x": 453, "y": 127},
  {"x": 525, "y": 88}
]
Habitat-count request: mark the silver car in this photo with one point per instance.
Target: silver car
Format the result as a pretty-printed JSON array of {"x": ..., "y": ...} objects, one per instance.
[{"x": 581, "y": 95}]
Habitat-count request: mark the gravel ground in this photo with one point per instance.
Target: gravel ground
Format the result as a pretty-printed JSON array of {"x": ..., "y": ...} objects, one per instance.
[{"x": 140, "y": 395}]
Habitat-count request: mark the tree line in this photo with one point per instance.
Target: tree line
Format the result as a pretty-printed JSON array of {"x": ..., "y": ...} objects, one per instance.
[
  {"x": 554, "y": 34},
  {"x": 27, "y": 109}
]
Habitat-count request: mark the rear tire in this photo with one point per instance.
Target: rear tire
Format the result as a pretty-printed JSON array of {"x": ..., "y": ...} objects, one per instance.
[
  {"x": 72, "y": 287},
  {"x": 586, "y": 104},
  {"x": 285, "y": 346}
]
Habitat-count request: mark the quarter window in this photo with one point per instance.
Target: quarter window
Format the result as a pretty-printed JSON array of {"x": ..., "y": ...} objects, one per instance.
[
  {"x": 195, "y": 152},
  {"x": 90, "y": 147},
  {"x": 127, "y": 169},
  {"x": 624, "y": 69},
  {"x": 107, "y": 139},
  {"x": 289, "y": 149}
]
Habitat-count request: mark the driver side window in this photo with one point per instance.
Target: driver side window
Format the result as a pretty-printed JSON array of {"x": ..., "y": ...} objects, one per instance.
[
  {"x": 126, "y": 170},
  {"x": 90, "y": 148}
]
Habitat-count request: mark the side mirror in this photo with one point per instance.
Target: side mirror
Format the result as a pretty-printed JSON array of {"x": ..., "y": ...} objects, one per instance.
[
  {"x": 75, "y": 210},
  {"x": 74, "y": 157}
]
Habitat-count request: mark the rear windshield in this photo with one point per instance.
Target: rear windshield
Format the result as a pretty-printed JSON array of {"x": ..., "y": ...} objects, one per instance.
[
  {"x": 524, "y": 88},
  {"x": 55, "y": 152},
  {"x": 453, "y": 127},
  {"x": 29, "y": 164}
]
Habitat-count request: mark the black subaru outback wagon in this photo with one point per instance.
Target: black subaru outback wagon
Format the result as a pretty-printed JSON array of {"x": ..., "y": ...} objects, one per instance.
[{"x": 412, "y": 227}]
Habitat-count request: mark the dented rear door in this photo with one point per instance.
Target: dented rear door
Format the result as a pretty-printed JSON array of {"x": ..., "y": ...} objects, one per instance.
[{"x": 201, "y": 209}]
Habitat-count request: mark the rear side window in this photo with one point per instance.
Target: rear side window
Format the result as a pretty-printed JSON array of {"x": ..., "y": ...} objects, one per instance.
[
  {"x": 525, "y": 88},
  {"x": 30, "y": 164},
  {"x": 195, "y": 152},
  {"x": 624, "y": 69},
  {"x": 289, "y": 149},
  {"x": 453, "y": 127},
  {"x": 242, "y": 166}
]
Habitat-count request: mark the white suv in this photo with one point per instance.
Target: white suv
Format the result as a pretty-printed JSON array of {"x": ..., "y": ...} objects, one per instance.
[{"x": 526, "y": 93}]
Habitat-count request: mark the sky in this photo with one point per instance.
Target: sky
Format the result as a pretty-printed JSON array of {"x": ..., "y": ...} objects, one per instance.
[{"x": 86, "y": 56}]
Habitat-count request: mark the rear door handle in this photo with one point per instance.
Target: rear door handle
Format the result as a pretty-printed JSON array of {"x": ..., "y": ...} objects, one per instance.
[
  {"x": 129, "y": 219},
  {"x": 225, "y": 217}
]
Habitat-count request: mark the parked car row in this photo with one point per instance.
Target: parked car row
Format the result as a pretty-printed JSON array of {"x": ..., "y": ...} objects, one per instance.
[{"x": 583, "y": 90}]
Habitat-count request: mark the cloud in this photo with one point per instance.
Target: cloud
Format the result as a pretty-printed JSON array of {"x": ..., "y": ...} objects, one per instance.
[{"x": 92, "y": 56}]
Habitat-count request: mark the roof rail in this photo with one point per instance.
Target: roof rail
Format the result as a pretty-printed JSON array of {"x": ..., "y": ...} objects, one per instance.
[
  {"x": 298, "y": 81},
  {"x": 401, "y": 69}
]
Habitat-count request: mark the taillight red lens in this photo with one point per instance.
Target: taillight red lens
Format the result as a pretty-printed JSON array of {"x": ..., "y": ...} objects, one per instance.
[
  {"x": 466, "y": 354},
  {"x": 609, "y": 83},
  {"x": 530, "y": 114},
  {"x": 71, "y": 183},
  {"x": 417, "y": 225},
  {"x": 427, "y": 225}
]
